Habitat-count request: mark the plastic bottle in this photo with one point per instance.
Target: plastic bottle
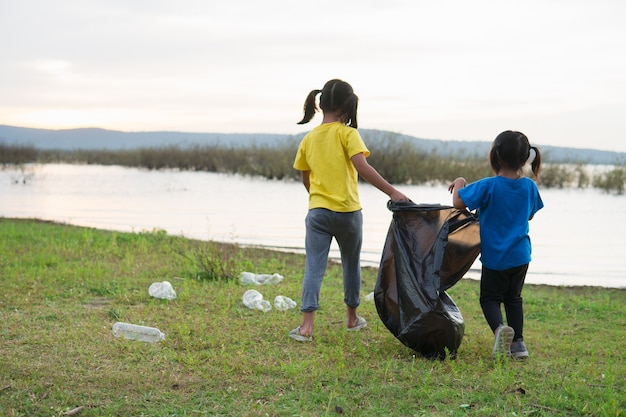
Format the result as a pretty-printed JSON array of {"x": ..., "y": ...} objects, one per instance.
[
  {"x": 283, "y": 303},
  {"x": 137, "y": 332},
  {"x": 254, "y": 300},
  {"x": 162, "y": 290},
  {"x": 259, "y": 279}
]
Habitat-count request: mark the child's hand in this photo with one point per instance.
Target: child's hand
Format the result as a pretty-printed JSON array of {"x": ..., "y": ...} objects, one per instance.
[
  {"x": 454, "y": 188},
  {"x": 398, "y": 196},
  {"x": 457, "y": 184}
]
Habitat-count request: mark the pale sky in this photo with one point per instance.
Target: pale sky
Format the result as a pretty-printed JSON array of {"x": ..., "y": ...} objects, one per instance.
[{"x": 458, "y": 69}]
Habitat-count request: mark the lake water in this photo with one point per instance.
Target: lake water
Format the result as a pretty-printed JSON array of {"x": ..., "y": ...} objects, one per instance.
[{"x": 577, "y": 237}]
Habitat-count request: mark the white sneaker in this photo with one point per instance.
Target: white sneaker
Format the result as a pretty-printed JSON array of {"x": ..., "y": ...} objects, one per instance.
[
  {"x": 360, "y": 323},
  {"x": 503, "y": 337},
  {"x": 296, "y": 335}
]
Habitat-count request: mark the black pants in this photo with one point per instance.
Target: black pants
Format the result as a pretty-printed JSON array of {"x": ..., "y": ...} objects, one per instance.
[{"x": 503, "y": 287}]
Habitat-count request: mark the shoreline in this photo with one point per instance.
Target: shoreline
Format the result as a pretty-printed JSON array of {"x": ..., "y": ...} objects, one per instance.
[{"x": 294, "y": 251}]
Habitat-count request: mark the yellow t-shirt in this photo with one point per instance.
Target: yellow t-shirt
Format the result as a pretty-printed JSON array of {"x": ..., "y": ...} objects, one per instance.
[{"x": 326, "y": 151}]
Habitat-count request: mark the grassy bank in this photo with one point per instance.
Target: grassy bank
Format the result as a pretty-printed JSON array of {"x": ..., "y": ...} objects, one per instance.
[{"x": 63, "y": 287}]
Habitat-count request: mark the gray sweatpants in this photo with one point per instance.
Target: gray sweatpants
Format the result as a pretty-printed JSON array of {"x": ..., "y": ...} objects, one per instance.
[{"x": 347, "y": 229}]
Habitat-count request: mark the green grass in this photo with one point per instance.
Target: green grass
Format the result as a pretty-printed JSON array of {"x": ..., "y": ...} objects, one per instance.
[{"x": 63, "y": 287}]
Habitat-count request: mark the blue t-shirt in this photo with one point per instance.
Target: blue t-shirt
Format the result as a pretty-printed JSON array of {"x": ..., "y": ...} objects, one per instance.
[{"x": 504, "y": 207}]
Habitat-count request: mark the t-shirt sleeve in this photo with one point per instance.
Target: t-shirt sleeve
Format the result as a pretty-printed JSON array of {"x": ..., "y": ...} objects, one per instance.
[
  {"x": 300, "y": 162},
  {"x": 538, "y": 202},
  {"x": 354, "y": 143},
  {"x": 473, "y": 194}
]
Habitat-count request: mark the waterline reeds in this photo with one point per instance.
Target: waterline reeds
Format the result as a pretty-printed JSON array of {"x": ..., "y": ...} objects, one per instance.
[{"x": 397, "y": 160}]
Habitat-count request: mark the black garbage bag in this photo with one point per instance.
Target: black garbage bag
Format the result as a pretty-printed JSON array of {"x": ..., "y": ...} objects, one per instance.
[{"x": 428, "y": 249}]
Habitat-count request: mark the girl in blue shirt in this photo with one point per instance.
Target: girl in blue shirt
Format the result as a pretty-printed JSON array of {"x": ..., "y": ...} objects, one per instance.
[{"x": 505, "y": 204}]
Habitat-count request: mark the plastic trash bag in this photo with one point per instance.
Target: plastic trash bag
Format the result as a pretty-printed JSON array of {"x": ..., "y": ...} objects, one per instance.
[
  {"x": 259, "y": 279},
  {"x": 162, "y": 290},
  {"x": 428, "y": 249}
]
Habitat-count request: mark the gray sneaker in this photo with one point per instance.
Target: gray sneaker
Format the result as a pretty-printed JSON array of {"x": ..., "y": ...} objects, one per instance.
[
  {"x": 503, "y": 336},
  {"x": 518, "y": 350}
]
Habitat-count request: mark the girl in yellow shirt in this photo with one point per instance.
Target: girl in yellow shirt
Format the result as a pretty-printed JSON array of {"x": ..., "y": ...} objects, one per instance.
[{"x": 331, "y": 157}]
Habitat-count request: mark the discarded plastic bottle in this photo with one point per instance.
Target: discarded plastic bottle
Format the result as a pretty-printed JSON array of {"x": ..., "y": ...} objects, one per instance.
[
  {"x": 263, "y": 305},
  {"x": 137, "y": 332},
  {"x": 283, "y": 303},
  {"x": 259, "y": 279},
  {"x": 254, "y": 300},
  {"x": 162, "y": 290}
]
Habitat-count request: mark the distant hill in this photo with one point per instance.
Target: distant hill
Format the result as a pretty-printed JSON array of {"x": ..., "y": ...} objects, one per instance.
[
  {"x": 94, "y": 138},
  {"x": 101, "y": 139}
]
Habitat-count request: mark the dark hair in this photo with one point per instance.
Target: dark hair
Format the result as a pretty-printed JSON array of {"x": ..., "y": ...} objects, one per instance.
[
  {"x": 511, "y": 150},
  {"x": 337, "y": 96}
]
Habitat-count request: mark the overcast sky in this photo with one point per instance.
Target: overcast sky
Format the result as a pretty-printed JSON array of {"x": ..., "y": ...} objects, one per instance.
[{"x": 458, "y": 69}]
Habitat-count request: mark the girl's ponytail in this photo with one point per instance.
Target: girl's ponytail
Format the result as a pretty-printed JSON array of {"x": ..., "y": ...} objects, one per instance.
[
  {"x": 309, "y": 107},
  {"x": 536, "y": 164},
  {"x": 350, "y": 108}
]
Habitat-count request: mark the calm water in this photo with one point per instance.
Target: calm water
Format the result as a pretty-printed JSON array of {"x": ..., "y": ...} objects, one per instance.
[{"x": 577, "y": 238}]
